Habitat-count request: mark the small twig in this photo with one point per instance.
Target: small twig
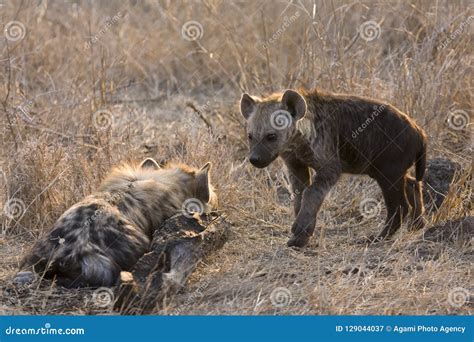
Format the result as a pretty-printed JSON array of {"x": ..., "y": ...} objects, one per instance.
[
  {"x": 267, "y": 55},
  {"x": 153, "y": 99},
  {"x": 351, "y": 43},
  {"x": 200, "y": 115},
  {"x": 7, "y": 96}
]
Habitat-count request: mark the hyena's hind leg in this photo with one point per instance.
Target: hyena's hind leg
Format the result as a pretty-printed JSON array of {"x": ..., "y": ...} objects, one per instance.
[
  {"x": 393, "y": 190},
  {"x": 415, "y": 199}
]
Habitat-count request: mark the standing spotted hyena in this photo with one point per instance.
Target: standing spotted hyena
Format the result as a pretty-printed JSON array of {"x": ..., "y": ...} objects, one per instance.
[
  {"x": 108, "y": 231},
  {"x": 334, "y": 134}
]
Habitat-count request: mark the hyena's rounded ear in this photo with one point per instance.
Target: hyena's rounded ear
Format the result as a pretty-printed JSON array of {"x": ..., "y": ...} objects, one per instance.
[
  {"x": 150, "y": 163},
  {"x": 295, "y": 103},
  {"x": 202, "y": 183},
  {"x": 247, "y": 105}
]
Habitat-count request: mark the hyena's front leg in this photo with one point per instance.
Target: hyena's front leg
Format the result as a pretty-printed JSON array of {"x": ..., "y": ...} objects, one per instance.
[
  {"x": 313, "y": 197},
  {"x": 35, "y": 262},
  {"x": 299, "y": 179}
]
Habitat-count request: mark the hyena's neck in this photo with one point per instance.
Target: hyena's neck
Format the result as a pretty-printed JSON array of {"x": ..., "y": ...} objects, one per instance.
[
  {"x": 312, "y": 126},
  {"x": 147, "y": 203},
  {"x": 297, "y": 145}
]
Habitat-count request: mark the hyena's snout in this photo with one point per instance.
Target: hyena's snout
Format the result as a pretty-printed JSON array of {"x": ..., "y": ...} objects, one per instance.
[{"x": 260, "y": 160}]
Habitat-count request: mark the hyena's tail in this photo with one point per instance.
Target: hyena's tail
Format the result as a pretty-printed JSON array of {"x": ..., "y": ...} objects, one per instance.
[
  {"x": 414, "y": 187},
  {"x": 420, "y": 163}
]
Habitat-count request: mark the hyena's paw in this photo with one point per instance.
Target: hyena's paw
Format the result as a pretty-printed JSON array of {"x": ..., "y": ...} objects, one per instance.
[
  {"x": 302, "y": 230},
  {"x": 298, "y": 241},
  {"x": 23, "y": 278}
]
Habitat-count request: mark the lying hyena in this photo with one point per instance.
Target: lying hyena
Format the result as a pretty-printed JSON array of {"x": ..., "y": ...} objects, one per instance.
[
  {"x": 335, "y": 134},
  {"x": 108, "y": 231}
]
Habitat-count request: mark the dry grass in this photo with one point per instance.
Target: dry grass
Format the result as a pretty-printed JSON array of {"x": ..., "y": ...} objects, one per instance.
[{"x": 144, "y": 73}]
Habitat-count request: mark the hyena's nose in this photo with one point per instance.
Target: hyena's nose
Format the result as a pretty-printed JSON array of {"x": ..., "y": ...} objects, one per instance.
[
  {"x": 258, "y": 162},
  {"x": 254, "y": 160}
]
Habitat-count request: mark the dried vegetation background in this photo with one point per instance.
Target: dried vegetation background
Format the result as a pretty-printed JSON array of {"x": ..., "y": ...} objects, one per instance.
[{"x": 86, "y": 85}]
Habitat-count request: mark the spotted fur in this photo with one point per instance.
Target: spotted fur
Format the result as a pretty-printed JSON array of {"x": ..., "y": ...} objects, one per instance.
[{"x": 109, "y": 230}]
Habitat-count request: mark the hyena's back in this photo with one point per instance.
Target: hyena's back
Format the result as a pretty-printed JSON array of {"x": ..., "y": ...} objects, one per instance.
[{"x": 89, "y": 245}]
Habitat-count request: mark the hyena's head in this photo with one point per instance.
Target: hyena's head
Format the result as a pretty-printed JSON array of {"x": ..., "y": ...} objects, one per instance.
[
  {"x": 271, "y": 122},
  {"x": 195, "y": 183}
]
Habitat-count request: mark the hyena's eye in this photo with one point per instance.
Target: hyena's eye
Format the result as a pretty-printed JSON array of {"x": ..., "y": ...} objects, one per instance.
[
  {"x": 250, "y": 136},
  {"x": 271, "y": 137}
]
